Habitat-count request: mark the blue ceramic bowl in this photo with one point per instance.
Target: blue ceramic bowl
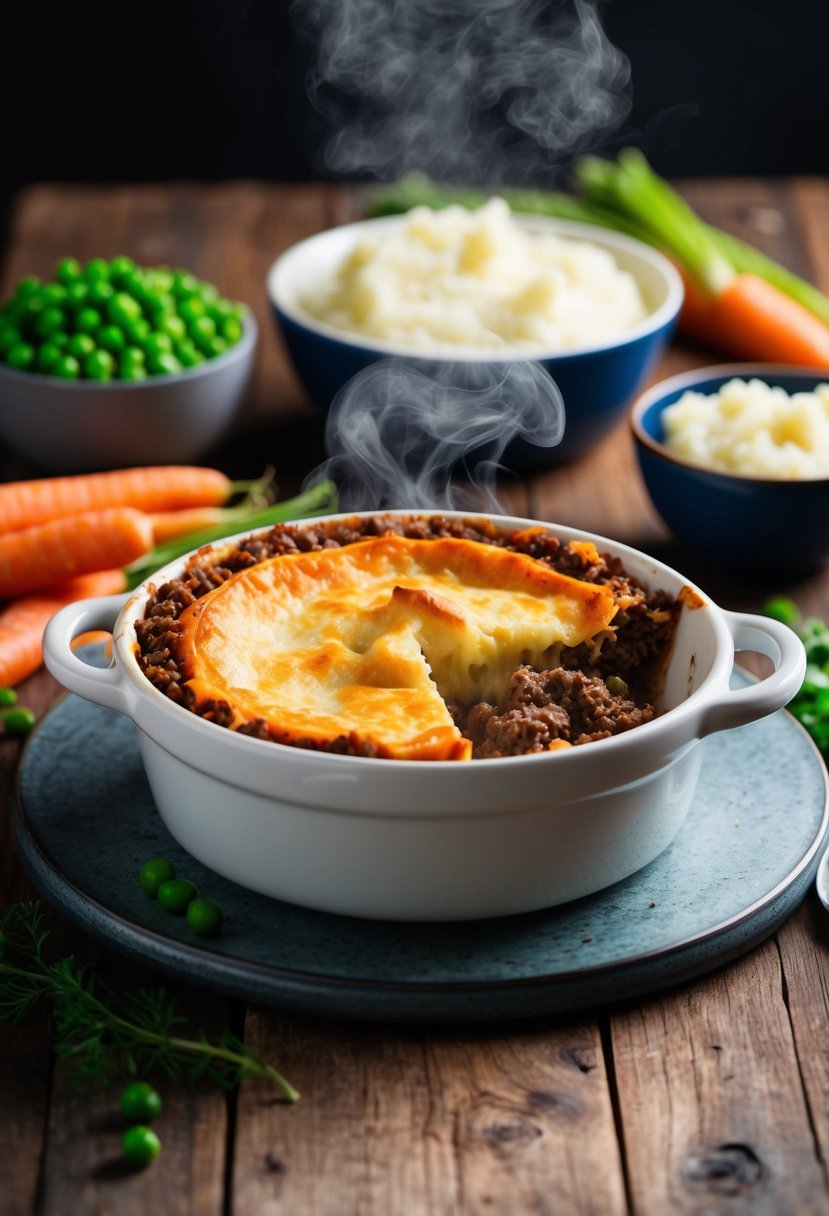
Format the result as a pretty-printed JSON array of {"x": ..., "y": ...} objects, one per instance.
[
  {"x": 597, "y": 383},
  {"x": 737, "y": 521}
]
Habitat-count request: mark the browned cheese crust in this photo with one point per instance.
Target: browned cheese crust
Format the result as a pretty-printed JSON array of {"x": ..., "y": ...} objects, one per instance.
[{"x": 569, "y": 705}]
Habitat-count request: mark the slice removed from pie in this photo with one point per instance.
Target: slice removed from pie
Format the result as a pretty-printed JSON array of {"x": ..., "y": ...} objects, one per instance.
[{"x": 370, "y": 642}]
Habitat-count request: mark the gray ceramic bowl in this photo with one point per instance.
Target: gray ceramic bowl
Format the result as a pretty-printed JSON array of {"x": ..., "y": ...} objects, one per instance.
[{"x": 66, "y": 426}]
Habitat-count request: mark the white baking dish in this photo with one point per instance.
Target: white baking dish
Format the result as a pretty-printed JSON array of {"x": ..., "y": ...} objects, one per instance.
[{"x": 436, "y": 840}]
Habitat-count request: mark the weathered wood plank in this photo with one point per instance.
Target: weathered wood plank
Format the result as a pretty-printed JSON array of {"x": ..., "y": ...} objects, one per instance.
[
  {"x": 804, "y": 954},
  {"x": 437, "y": 1123},
  {"x": 711, "y": 1100}
]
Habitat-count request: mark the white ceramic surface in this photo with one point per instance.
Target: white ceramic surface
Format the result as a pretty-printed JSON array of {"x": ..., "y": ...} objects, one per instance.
[
  {"x": 436, "y": 840},
  {"x": 71, "y": 426},
  {"x": 315, "y": 260}
]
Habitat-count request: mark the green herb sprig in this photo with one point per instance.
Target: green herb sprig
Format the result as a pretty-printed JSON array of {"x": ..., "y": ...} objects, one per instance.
[
  {"x": 103, "y": 1034},
  {"x": 810, "y": 705}
]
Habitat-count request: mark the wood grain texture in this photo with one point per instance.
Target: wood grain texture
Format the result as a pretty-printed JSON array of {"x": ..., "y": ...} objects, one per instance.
[
  {"x": 428, "y": 1124},
  {"x": 711, "y": 1100}
]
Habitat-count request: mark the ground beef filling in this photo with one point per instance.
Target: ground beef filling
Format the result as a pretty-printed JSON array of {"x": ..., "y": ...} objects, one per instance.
[{"x": 588, "y": 697}]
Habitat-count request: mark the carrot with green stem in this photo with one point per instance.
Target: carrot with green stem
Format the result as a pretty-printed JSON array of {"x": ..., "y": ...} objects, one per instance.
[
  {"x": 153, "y": 488},
  {"x": 318, "y": 499},
  {"x": 23, "y": 620},
  {"x": 740, "y": 311}
]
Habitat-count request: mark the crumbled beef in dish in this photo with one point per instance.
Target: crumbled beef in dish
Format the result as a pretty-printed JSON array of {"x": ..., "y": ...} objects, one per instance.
[
  {"x": 544, "y": 707},
  {"x": 570, "y": 704}
]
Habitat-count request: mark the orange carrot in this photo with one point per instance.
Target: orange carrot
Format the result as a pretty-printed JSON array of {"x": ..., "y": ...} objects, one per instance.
[
  {"x": 23, "y": 620},
  {"x": 753, "y": 319},
  {"x": 155, "y": 488},
  {"x": 169, "y": 524},
  {"x": 49, "y": 553}
]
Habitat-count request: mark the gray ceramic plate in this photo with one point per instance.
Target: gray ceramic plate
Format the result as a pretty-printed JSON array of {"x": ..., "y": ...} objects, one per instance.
[{"x": 86, "y": 822}]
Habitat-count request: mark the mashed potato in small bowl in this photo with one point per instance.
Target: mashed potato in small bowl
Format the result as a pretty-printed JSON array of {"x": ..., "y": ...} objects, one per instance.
[
  {"x": 736, "y": 461},
  {"x": 593, "y": 307}
]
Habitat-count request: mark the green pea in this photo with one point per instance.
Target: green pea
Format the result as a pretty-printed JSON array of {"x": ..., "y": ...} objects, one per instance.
[
  {"x": 132, "y": 371},
  {"x": 88, "y": 320},
  {"x": 140, "y": 1102},
  {"x": 121, "y": 266},
  {"x": 67, "y": 368},
  {"x": 138, "y": 329},
  {"x": 123, "y": 308},
  {"x": 162, "y": 279},
  {"x": 214, "y": 347},
  {"x": 205, "y": 917},
  {"x": 52, "y": 293},
  {"x": 111, "y": 338},
  {"x": 184, "y": 284},
  {"x": 80, "y": 345},
  {"x": 617, "y": 686},
  {"x": 231, "y": 329},
  {"x": 21, "y": 356},
  {"x": 176, "y": 894},
  {"x": 9, "y": 336},
  {"x": 173, "y": 326},
  {"x": 162, "y": 303},
  {"x": 140, "y": 1145},
  {"x": 163, "y": 364},
  {"x": 99, "y": 365},
  {"x": 153, "y": 873},
  {"x": 8, "y": 696},
  {"x": 17, "y": 720},
  {"x": 27, "y": 286},
  {"x": 67, "y": 271},
  {"x": 100, "y": 293},
  {"x": 784, "y": 610},
  {"x": 207, "y": 292},
  {"x": 49, "y": 322},
  {"x": 96, "y": 270},
  {"x": 134, "y": 354},
  {"x": 187, "y": 354},
  {"x": 132, "y": 282},
  {"x": 48, "y": 356},
  {"x": 61, "y": 340},
  {"x": 191, "y": 309},
  {"x": 77, "y": 294},
  {"x": 202, "y": 331},
  {"x": 156, "y": 344}
]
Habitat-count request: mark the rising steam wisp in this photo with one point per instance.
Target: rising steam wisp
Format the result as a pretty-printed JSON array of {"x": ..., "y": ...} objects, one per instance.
[{"x": 434, "y": 434}]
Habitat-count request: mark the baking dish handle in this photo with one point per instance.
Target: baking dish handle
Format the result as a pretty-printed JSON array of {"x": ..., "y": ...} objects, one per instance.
[
  {"x": 776, "y": 641},
  {"x": 104, "y": 685}
]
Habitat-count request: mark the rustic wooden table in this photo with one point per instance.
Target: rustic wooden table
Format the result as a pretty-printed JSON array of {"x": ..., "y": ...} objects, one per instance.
[{"x": 706, "y": 1099}]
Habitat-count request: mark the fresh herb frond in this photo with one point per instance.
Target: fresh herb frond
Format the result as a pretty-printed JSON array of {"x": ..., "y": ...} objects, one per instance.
[{"x": 103, "y": 1034}]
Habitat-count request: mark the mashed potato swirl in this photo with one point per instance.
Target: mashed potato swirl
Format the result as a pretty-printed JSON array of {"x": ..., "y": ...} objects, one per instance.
[
  {"x": 752, "y": 428},
  {"x": 450, "y": 279}
]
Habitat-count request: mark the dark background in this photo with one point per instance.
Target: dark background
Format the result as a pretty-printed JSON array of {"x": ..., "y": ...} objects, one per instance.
[{"x": 211, "y": 89}]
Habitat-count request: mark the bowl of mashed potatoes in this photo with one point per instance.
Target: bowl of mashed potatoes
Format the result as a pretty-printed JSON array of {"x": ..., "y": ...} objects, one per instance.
[
  {"x": 736, "y": 461},
  {"x": 595, "y": 308}
]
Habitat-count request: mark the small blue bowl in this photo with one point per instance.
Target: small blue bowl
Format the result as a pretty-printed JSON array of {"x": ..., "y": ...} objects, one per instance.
[
  {"x": 597, "y": 383},
  {"x": 740, "y": 522}
]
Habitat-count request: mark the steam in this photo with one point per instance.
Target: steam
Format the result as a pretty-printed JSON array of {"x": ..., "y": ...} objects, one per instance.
[
  {"x": 435, "y": 434},
  {"x": 474, "y": 91}
]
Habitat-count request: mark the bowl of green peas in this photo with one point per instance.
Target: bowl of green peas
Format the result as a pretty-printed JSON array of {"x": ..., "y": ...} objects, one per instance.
[{"x": 110, "y": 364}]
